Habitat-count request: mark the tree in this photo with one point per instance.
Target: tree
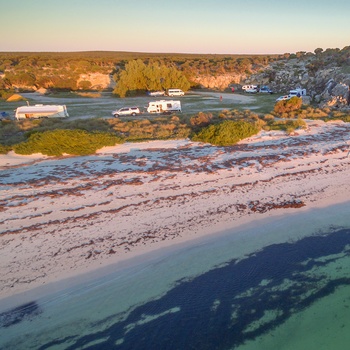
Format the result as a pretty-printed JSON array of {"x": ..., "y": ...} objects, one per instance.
[
  {"x": 21, "y": 78},
  {"x": 318, "y": 51},
  {"x": 138, "y": 76}
]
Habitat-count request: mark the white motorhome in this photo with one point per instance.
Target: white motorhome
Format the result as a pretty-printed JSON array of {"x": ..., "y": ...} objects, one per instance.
[
  {"x": 41, "y": 111},
  {"x": 297, "y": 92},
  {"x": 164, "y": 106},
  {"x": 175, "y": 92}
]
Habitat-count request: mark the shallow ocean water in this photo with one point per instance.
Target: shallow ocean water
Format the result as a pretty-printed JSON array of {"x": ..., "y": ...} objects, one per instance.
[{"x": 273, "y": 286}]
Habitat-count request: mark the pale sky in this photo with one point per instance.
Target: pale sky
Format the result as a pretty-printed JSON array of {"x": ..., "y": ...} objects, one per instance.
[{"x": 176, "y": 26}]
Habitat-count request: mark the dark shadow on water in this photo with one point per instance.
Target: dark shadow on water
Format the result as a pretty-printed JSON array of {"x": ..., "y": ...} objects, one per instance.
[
  {"x": 18, "y": 314},
  {"x": 228, "y": 305}
]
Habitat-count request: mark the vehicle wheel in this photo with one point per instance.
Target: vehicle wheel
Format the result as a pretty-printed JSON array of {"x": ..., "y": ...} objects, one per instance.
[
  {"x": 116, "y": 115},
  {"x": 133, "y": 114}
]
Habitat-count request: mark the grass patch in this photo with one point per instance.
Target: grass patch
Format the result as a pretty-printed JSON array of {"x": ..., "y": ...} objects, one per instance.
[
  {"x": 89, "y": 94},
  {"x": 59, "y": 142},
  {"x": 289, "y": 126}
]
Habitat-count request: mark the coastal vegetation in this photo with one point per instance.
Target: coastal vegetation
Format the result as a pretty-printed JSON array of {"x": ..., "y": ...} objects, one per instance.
[
  {"x": 286, "y": 106},
  {"x": 85, "y": 136},
  {"x": 294, "y": 109},
  {"x": 226, "y": 133},
  {"x": 70, "y": 70},
  {"x": 59, "y": 142},
  {"x": 139, "y": 77}
]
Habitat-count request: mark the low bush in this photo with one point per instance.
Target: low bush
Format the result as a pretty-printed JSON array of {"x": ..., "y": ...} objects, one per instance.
[
  {"x": 201, "y": 119},
  {"x": 238, "y": 114},
  {"x": 286, "y": 106},
  {"x": 10, "y": 133},
  {"x": 144, "y": 129},
  {"x": 4, "y": 149},
  {"x": 226, "y": 133},
  {"x": 61, "y": 141},
  {"x": 289, "y": 126}
]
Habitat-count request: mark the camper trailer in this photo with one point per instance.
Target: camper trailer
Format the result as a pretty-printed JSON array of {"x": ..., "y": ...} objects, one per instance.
[
  {"x": 164, "y": 106},
  {"x": 41, "y": 111},
  {"x": 297, "y": 92},
  {"x": 250, "y": 88}
]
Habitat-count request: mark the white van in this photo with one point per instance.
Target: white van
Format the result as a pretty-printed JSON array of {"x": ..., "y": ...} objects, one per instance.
[{"x": 175, "y": 92}]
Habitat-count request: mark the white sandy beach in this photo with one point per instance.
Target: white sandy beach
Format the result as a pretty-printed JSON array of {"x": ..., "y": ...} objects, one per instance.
[{"x": 66, "y": 217}]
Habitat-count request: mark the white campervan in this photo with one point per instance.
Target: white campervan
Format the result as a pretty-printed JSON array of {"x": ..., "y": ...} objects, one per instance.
[
  {"x": 164, "y": 107},
  {"x": 175, "y": 92},
  {"x": 297, "y": 92}
]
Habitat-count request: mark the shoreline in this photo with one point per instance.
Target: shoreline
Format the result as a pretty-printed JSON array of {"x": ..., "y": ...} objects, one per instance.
[
  {"x": 245, "y": 229},
  {"x": 147, "y": 202}
]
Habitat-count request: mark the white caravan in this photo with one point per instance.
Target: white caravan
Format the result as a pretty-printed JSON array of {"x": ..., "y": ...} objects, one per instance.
[
  {"x": 41, "y": 111},
  {"x": 297, "y": 92},
  {"x": 164, "y": 106},
  {"x": 250, "y": 87}
]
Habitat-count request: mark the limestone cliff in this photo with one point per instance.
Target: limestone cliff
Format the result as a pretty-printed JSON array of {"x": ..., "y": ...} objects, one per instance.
[
  {"x": 97, "y": 81},
  {"x": 219, "y": 82}
]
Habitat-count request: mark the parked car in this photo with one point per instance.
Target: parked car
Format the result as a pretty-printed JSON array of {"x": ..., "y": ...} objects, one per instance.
[
  {"x": 265, "y": 89},
  {"x": 126, "y": 111},
  {"x": 156, "y": 93},
  {"x": 284, "y": 97},
  {"x": 251, "y": 91}
]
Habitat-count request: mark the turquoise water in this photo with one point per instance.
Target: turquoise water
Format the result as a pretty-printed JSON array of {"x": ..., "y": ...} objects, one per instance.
[{"x": 272, "y": 286}]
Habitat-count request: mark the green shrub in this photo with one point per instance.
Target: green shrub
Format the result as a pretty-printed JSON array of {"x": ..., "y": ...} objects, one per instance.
[
  {"x": 286, "y": 106},
  {"x": 286, "y": 125},
  {"x": 144, "y": 129},
  {"x": 226, "y": 133},
  {"x": 60, "y": 141},
  {"x": 4, "y": 149},
  {"x": 10, "y": 133}
]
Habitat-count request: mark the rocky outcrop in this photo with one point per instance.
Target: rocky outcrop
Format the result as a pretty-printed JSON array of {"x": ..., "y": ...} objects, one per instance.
[
  {"x": 335, "y": 95},
  {"x": 218, "y": 82},
  {"x": 97, "y": 81},
  {"x": 328, "y": 86}
]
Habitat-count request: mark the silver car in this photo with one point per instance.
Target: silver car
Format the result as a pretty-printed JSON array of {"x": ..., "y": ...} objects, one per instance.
[{"x": 126, "y": 111}]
